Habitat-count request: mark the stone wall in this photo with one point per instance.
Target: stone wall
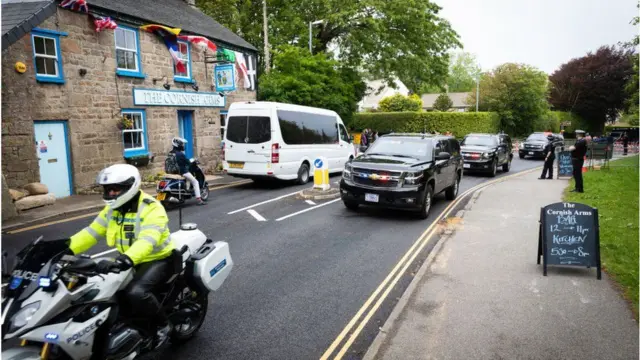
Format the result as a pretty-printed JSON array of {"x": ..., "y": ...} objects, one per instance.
[{"x": 92, "y": 103}]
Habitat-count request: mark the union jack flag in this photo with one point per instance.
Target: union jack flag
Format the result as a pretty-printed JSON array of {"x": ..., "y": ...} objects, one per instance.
[
  {"x": 75, "y": 5},
  {"x": 103, "y": 23}
]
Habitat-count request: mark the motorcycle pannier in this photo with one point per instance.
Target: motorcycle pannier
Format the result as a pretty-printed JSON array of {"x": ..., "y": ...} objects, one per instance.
[{"x": 211, "y": 264}]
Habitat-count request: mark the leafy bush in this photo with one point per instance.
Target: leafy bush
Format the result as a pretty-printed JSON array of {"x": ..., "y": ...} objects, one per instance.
[
  {"x": 564, "y": 116},
  {"x": 459, "y": 123},
  {"x": 443, "y": 102},
  {"x": 399, "y": 103}
]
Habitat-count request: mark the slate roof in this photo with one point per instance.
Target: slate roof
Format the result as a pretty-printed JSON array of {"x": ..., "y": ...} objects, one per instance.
[
  {"x": 20, "y": 16},
  {"x": 176, "y": 14}
]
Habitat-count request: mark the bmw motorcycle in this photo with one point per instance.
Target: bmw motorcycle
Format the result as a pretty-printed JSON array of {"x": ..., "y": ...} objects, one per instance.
[
  {"x": 59, "y": 307},
  {"x": 176, "y": 187}
]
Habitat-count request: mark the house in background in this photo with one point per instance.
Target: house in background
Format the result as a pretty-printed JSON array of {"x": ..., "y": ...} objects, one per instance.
[
  {"x": 459, "y": 101},
  {"x": 378, "y": 90}
]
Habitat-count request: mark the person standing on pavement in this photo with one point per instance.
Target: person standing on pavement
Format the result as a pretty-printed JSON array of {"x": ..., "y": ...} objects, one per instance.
[
  {"x": 578, "y": 151},
  {"x": 550, "y": 156}
]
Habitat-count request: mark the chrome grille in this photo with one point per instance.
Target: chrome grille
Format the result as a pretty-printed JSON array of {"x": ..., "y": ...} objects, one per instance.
[{"x": 376, "y": 183}]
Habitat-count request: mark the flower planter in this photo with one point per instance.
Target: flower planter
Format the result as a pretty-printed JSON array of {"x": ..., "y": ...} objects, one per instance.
[{"x": 138, "y": 161}]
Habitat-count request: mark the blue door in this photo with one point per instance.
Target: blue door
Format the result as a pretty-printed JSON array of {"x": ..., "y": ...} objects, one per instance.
[
  {"x": 52, "y": 148},
  {"x": 185, "y": 124}
]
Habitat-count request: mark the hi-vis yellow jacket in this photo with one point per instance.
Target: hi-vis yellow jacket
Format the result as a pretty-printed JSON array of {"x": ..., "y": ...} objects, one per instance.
[{"x": 143, "y": 235}]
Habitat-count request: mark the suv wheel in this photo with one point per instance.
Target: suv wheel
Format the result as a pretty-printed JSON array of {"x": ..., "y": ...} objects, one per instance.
[
  {"x": 507, "y": 166},
  {"x": 494, "y": 168},
  {"x": 351, "y": 205},
  {"x": 452, "y": 191},
  {"x": 521, "y": 156},
  {"x": 303, "y": 174},
  {"x": 426, "y": 205}
]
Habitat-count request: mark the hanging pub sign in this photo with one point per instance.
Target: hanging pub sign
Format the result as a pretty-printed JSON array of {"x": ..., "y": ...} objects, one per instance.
[
  {"x": 225, "y": 77},
  {"x": 569, "y": 235}
]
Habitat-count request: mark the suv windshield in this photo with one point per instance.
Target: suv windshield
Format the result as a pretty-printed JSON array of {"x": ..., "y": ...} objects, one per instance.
[
  {"x": 401, "y": 147},
  {"x": 479, "y": 140},
  {"x": 537, "y": 137}
]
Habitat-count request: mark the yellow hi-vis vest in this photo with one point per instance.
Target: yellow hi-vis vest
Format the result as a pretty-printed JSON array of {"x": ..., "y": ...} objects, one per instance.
[{"x": 143, "y": 236}]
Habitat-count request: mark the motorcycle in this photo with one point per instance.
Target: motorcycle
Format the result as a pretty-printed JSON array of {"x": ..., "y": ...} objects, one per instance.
[
  {"x": 61, "y": 308},
  {"x": 174, "y": 186}
]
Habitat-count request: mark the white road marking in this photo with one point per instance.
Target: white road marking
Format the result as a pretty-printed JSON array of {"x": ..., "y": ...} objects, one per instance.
[
  {"x": 307, "y": 209},
  {"x": 261, "y": 203},
  {"x": 310, "y": 202},
  {"x": 103, "y": 253},
  {"x": 256, "y": 215}
]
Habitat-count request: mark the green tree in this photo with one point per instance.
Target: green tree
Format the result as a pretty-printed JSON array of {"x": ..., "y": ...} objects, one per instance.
[
  {"x": 399, "y": 102},
  {"x": 386, "y": 39},
  {"x": 303, "y": 79},
  {"x": 463, "y": 70},
  {"x": 443, "y": 102},
  {"x": 518, "y": 93}
]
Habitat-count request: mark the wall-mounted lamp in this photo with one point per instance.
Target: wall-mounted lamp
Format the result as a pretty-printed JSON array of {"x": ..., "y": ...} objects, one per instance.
[
  {"x": 221, "y": 94},
  {"x": 166, "y": 86},
  {"x": 158, "y": 79},
  {"x": 194, "y": 86}
]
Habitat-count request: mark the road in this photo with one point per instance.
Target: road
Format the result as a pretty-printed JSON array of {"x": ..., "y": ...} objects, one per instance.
[{"x": 302, "y": 270}]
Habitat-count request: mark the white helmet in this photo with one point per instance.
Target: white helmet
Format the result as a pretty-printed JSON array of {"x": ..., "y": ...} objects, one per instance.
[
  {"x": 121, "y": 177},
  {"x": 179, "y": 142}
]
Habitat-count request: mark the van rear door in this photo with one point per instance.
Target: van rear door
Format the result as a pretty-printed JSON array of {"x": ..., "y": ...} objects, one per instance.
[{"x": 248, "y": 142}]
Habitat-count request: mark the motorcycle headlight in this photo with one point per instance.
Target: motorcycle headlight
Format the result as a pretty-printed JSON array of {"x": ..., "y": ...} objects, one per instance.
[
  {"x": 22, "y": 317},
  {"x": 346, "y": 173},
  {"x": 413, "y": 178}
]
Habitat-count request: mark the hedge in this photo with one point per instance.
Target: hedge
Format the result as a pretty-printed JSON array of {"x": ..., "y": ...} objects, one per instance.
[
  {"x": 576, "y": 122},
  {"x": 459, "y": 123}
]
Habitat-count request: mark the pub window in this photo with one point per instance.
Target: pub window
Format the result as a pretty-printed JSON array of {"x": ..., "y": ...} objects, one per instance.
[
  {"x": 223, "y": 123},
  {"x": 128, "y": 52},
  {"x": 134, "y": 136},
  {"x": 184, "y": 53},
  {"x": 47, "y": 55}
]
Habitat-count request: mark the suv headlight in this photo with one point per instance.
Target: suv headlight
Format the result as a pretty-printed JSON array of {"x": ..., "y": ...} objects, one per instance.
[
  {"x": 22, "y": 317},
  {"x": 487, "y": 155},
  {"x": 413, "y": 178},
  {"x": 521, "y": 146},
  {"x": 346, "y": 173}
]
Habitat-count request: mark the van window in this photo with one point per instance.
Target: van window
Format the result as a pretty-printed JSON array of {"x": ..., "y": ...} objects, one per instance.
[
  {"x": 249, "y": 129},
  {"x": 344, "y": 135},
  {"x": 304, "y": 128}
]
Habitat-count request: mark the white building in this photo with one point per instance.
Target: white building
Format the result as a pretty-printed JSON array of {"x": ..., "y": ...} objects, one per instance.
[
  {"x": 378, "y": 90},
  {"x": 459, "y": 101}
]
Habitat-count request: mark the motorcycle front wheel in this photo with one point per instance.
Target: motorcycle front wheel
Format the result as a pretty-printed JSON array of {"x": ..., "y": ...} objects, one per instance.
[{"x": 196, "y": 303}]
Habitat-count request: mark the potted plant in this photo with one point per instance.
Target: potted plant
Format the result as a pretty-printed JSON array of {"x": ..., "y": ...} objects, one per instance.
[
  {"x": 139, "y": 160},
  {"x": 124, "y": 123}
]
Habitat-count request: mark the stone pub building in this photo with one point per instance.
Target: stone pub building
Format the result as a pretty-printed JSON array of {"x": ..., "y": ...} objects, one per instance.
[{"x": 75, "y": 100}]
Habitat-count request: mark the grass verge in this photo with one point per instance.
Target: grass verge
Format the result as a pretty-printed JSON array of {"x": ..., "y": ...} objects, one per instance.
[{"x": 615, "y": 193}]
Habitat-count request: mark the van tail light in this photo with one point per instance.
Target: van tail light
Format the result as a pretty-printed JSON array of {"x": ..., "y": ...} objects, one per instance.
[
  {"x": 224, "y": 146},
  {"x": 275, "y": 153}
]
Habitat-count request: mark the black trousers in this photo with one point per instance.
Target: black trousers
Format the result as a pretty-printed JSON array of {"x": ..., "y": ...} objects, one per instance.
[
  {"x": 577, "y": 173},
  {"x": 548, "y": 166},
  {"x": 139, "y": 293}
]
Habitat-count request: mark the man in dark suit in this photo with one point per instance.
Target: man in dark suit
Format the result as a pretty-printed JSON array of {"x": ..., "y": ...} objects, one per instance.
[
  {"x": 550, "y": 156},
  {"x": 578, "y": 151}
]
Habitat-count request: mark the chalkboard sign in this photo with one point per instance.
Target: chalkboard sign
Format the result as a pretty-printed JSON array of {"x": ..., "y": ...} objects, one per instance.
[
  {"x": 565, "y": 167},
  {"x": 569, "y": 235}
]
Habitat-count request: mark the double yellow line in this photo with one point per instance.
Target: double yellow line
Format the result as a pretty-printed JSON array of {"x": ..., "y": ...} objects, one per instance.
[{"x": 394, "y": 276}]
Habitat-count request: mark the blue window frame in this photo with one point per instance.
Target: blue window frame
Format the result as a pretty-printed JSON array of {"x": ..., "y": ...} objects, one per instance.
[
  {"x": 128, "y": 52},
  {"x": 184, "y": 52},
  {"x": 47, "y": 55},
  {"x": 134, "y": 138}
]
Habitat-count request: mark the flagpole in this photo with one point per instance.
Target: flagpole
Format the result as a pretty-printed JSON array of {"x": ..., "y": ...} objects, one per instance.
[{"x": 266, "y": 37}]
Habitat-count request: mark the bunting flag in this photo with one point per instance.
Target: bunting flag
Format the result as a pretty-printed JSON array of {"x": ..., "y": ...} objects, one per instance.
[
  {"x": 241, "y": 69},
  {"x": 103, "y": 23},
  {"x": 200, "y": 41},
  {"x": 226, "y": 55},
  {"x": 75, "y": 5},
  {"x": 170, "y": 37}
]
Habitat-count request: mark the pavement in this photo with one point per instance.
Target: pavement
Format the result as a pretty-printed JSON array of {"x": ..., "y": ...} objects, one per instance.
[
  {"x": 303, "y": 268},
  {"x": 481, "y": 295},
  {"x": 79, "y": 204}
]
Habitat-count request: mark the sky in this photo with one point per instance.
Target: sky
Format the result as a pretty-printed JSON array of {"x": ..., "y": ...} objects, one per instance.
[{"x": 542, "y": 33}]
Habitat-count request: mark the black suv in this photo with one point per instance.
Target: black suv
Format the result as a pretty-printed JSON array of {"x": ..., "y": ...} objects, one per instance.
[
  {"x": 485, "y": 152},
  {"x": 534, "y": 145},
  {"x": 403, "y": 171}
]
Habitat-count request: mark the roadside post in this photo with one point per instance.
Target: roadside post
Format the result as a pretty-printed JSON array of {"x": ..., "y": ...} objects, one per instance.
[
  {"x": 321, "y": 174},
  {"x": 569, "y": 235}
]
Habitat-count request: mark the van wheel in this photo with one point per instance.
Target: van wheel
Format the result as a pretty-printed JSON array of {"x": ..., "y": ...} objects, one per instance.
[{"x": 303, "y": 174}]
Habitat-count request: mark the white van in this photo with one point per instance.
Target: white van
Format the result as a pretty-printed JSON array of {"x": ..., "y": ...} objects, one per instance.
[{"x": 275, "y": 140}]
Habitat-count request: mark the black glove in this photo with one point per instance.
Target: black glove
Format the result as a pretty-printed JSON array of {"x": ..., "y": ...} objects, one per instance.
[
  {"x": 124, "y": 262},
  {"x": 105, "y": 266}
]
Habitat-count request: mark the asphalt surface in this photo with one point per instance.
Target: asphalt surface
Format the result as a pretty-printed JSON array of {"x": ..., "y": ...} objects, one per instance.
[{"x": 298, "y": 280}]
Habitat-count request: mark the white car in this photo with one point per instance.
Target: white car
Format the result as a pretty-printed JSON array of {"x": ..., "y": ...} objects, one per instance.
[{"x": 281, "y": 141}]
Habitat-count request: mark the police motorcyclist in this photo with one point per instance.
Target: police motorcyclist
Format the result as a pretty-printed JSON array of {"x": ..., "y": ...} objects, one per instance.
[
  {"x": 183, "y": 163},
  {"x": 578, "y": 151},
  {"x": 137, "y": 225},
  {"x": 550, "y": 156}
]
